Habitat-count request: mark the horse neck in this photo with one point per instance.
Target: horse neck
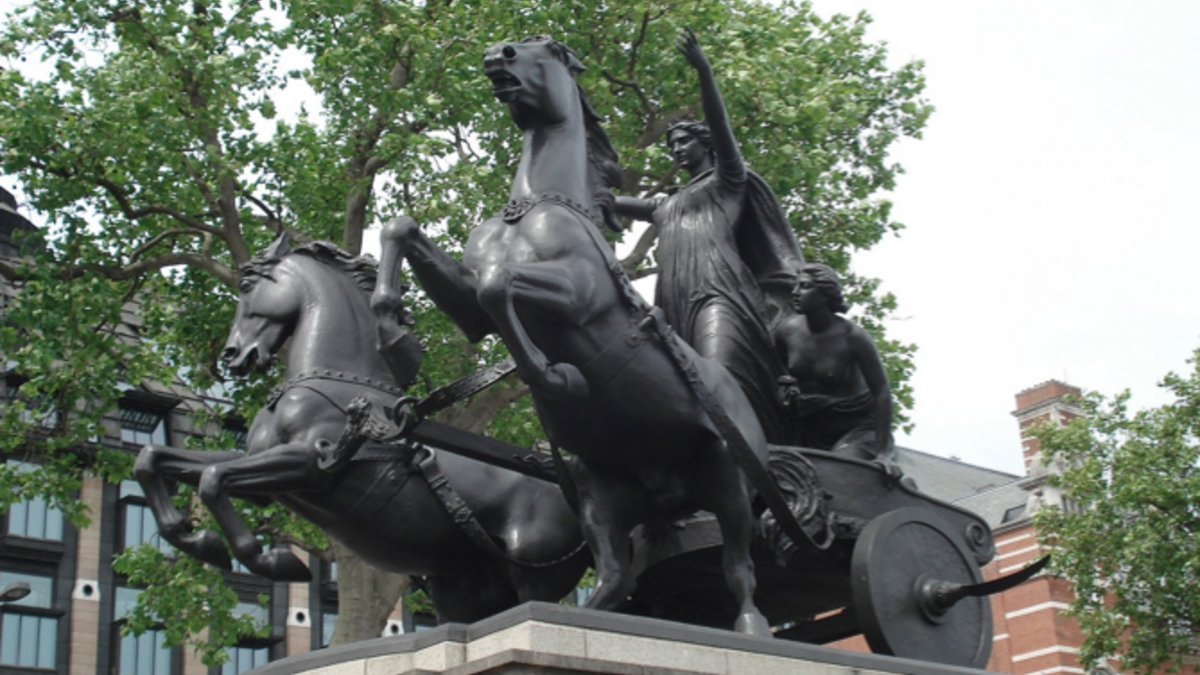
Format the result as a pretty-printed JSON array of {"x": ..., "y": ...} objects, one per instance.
[
  {"x": 554, "y": 159},
  {"x": 336, "y": 331}
]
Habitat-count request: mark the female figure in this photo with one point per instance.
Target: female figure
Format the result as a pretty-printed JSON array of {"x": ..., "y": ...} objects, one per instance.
[
  {"x": 837, "y": 387},
  {"x": 719, "y": 238}
]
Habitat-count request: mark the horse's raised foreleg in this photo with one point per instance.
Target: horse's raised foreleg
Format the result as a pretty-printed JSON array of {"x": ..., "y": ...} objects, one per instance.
[
  {"x": 551, "y": 290},
  {"x": 450, "y": 284},
  {"x": 156, "y": 465},
  {"x": 283, "y": 468}
]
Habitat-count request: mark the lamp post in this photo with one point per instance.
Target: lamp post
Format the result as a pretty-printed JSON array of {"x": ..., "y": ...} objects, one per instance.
[{"x": 14, "y": 591}]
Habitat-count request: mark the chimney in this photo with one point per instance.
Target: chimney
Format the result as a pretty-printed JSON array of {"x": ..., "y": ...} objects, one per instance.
[
  {"x": 1043, "y": 403},
  {"x": 12, "y": 222}
]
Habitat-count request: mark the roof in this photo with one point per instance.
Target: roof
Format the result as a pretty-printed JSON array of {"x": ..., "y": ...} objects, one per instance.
[
  {"x": 988, "y": 492},
  {"x": 949, "y": 479}
]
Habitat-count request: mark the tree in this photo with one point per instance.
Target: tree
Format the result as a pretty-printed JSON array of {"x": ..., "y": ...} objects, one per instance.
[
  {"x": 157, "y": 152},
  {"x": 1126, "y": 535}
]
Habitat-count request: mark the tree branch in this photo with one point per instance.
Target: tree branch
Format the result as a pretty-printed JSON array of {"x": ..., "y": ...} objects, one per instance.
[
  {"x": 133, "y": 271},
  {"x": 647, "y": 107},
  {"x": 638, "y": 255},
  {"x": 137, "y": 252}
]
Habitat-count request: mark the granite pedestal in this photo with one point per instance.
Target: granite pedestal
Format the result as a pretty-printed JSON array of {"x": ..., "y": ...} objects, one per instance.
[{"x": 546, "y": 639}]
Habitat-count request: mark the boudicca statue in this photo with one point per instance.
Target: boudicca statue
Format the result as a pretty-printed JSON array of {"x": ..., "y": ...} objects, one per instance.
[
  {"x": 664, "y": 427},
  {"x": 722, "y": 239}
]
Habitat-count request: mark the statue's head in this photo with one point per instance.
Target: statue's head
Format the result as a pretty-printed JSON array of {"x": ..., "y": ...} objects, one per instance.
[
  {"x": 690, "y": 143},
  {"x": 818, "y": 283},
  {"x": 534, "y": 76}
]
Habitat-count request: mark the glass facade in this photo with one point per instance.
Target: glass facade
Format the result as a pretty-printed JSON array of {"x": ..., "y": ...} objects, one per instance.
[
  {"x": 140, "y": 426},
  {"x": 34, "y": 518},
  {"x": 137, "y": 520},
  {"x": 145, "y": 654},
  {"x": 29, "y": 638}
]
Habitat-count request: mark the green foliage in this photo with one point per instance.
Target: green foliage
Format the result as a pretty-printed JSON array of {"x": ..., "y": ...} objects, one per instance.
[
  {"x": 152, "y": 138},
  {"x": 171, "y": 603},
  {"x": 1126, "y": 536}
]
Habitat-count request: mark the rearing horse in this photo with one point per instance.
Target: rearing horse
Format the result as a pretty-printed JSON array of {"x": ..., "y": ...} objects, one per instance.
[
  {"x": 606, "y": 388},
  {"x": 380, "y": 505}
]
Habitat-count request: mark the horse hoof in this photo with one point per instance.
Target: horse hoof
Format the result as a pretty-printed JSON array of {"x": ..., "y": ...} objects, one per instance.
[
  {"x": 752, "y": 623},
  {"x": 281, "y": 565},
  {"x": 207, "y": 546},
  {"x": 567, "y": 380}
]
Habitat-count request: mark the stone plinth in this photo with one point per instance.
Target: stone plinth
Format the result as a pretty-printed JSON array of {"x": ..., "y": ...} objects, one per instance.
[{"x": 545, "y": 639}]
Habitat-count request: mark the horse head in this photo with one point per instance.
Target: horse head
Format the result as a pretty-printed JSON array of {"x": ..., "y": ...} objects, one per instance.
[
  {"x": 318, "y": 295},
  {"x": 535, "y": 77},
  {"x": 267, "y": 309}
]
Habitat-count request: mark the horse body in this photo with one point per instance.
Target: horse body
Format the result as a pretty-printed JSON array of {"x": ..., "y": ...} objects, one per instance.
[
  {"x": 381, "y": 507},
  {"x": 605, "y": 386}
]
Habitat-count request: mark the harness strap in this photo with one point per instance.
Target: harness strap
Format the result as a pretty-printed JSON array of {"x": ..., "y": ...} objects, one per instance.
[
  {"x": 742, "y": 453},
  {"x": 465, "y": 519},
  {"x": 455, "y": 506}
]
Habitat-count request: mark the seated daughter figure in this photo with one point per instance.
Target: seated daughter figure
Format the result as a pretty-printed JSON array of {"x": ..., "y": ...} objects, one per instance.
[{"x": 836, "y": 386}]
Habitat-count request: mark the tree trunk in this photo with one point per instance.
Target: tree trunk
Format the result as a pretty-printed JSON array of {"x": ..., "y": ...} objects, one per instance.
[{"x": 366, "y": 597}]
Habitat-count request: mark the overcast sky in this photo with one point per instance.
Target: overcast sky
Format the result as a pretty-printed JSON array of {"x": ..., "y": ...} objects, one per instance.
[{"x": 1051, "y": 207}]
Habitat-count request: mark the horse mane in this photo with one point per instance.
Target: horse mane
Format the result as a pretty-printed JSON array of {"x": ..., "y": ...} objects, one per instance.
[
  {"x": 360, "y": 269},
  {"x": 604, "y": 164}
]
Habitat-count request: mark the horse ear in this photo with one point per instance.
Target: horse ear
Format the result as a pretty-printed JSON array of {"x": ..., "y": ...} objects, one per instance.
[
  {"x": 567, "y": 56},
  {"x": 278, "y": 248},
  {"x": 573, "y": 63}
]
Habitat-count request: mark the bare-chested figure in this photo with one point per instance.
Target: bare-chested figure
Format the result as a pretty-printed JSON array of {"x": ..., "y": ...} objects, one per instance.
[{"x": 836, "y": 386}]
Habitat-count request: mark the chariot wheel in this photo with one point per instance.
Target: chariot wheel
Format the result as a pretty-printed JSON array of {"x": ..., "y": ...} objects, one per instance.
[{"x": 907, "y": 567}]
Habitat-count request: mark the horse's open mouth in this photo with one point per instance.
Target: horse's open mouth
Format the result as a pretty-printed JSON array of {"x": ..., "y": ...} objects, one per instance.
[
  {"x": 503, "y": 82},
  {"x": 242, "y": 367}
]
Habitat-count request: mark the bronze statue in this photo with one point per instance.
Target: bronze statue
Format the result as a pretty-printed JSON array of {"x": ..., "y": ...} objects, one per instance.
[
  {"x": 836, "y": 385},
  {"x": 389, "y": 504},
  {"x": 611, "y": 383},
  {"x": 659, "y": 432},
  {"x": 721, "y": 239}
]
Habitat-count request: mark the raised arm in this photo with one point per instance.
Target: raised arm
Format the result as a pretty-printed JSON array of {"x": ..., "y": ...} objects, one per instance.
[{"x": 729, "y": 165}]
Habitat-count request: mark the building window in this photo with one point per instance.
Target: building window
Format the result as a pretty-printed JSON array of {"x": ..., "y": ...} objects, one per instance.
[
  {"x": 242, "y": 659},
  {"x": 328, "y": 623},
  {"x": 251, "y": 652},
  {"x": 145, "y": 654},
  {"x": 137, "y": 520},
  {"x": 142, "y": 426},
  {"x": 1013, "y": 513},
  {"x": 29, "y": 628},
  {"x": 33, "y": 518},
  {"x": 37, "y": 410}
]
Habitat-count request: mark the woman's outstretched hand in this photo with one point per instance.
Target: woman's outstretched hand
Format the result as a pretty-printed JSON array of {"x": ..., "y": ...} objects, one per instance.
[{"x": 689, "y": 46}]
